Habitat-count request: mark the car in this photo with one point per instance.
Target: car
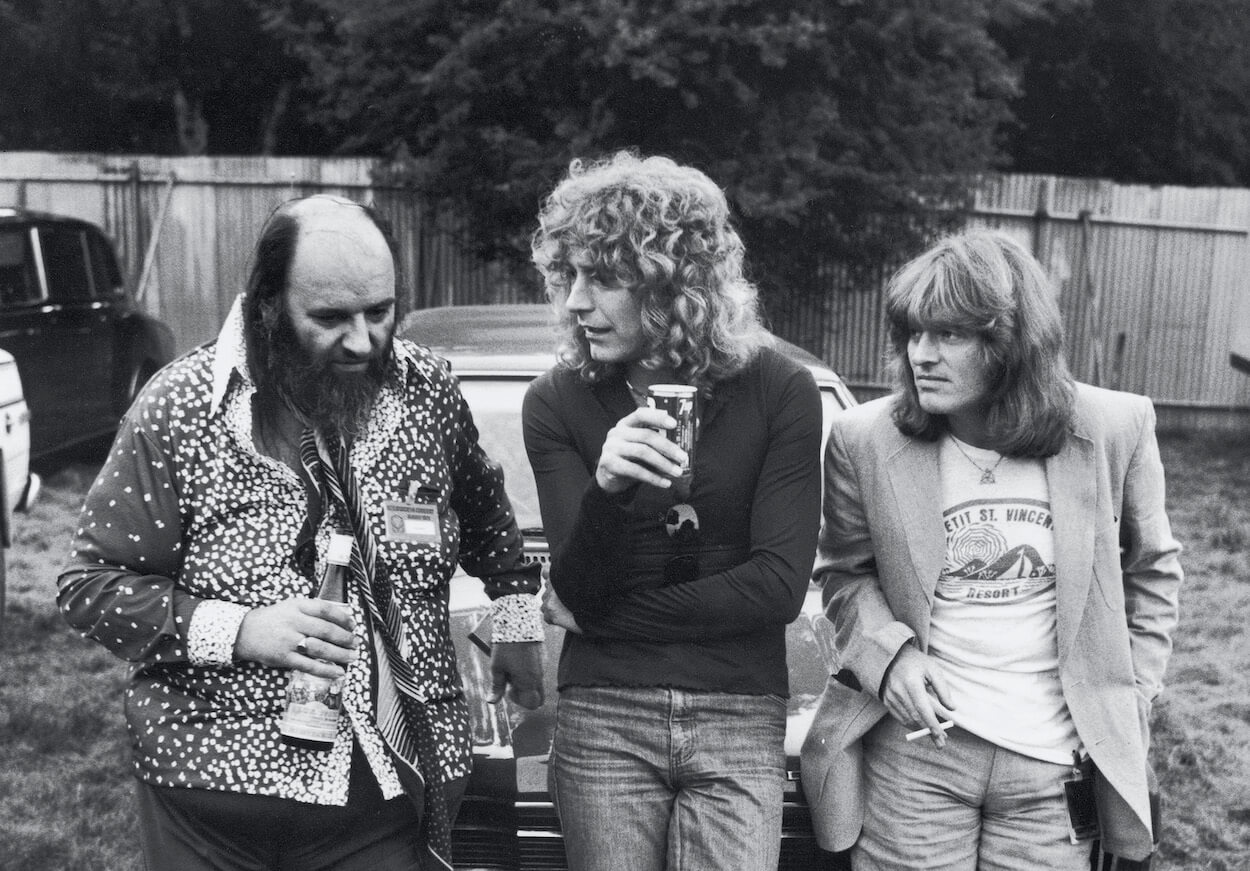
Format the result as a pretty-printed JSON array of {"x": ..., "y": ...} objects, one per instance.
[
  {"x": 18, "y": 485},
  {"x": 83, "y": 346},
  {"x": 507, "y": 820}
]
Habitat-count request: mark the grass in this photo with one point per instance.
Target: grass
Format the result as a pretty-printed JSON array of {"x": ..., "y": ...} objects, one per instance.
[
  {"x": 65, "y": 793},
  {"x": 66, "y": 799},
  {"x": 1201, "y": 724}
]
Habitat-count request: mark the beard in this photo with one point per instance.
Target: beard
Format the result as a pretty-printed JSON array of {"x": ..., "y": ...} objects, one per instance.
[{"x": 329, "y": 400}]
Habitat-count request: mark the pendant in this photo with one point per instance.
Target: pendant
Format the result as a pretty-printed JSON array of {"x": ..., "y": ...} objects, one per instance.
[{"x": 987, "y": 476}]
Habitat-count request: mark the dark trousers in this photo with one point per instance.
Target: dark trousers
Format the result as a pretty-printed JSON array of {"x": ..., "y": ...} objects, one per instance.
[{"x": 206, "y": 830}]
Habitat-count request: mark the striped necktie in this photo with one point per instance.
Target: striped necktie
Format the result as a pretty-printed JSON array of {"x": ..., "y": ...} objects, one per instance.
[{"x": 399, "y": 706}]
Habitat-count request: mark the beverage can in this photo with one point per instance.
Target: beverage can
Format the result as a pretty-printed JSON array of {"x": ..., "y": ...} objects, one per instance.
[{"x": 680, "y": 402}]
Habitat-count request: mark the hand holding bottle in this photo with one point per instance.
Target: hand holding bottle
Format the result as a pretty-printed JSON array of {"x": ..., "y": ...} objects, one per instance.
[
  {"x": 272, "y": 635},
  {"x": 314, "y": 700}
]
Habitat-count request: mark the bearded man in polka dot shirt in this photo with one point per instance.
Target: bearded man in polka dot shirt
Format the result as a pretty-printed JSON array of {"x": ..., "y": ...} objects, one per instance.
[{"x": 200, "y": 541}]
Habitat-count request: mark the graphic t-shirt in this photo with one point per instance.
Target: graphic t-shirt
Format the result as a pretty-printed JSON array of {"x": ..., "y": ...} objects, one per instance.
[{"x": 993, "y": 626}]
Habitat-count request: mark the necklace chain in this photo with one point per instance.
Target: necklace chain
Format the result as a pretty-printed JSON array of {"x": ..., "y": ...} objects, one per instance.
[{"x": 987, "y": 475}]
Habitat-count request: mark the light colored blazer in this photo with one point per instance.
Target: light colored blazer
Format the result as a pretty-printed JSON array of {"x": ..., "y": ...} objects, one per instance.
[{"x": 882, "y": 546}]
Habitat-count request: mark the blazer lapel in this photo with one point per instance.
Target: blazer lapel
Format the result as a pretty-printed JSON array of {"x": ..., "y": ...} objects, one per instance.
[
  {"x": 915, "y": 481},
  {"x": 1072, "y": 476}
]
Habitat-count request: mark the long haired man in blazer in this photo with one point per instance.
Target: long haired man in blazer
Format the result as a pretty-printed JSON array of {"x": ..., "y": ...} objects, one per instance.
[{"x": 995, "y": 553}]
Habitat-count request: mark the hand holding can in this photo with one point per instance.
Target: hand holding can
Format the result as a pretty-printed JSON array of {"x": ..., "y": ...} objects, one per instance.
[{"x": 680, "y": 402}]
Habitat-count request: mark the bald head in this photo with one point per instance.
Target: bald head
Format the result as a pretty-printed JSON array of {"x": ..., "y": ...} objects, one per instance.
[
  {"x": 326, "y": 212},
  {"x": 341, "y": 258},
  {"x": 321, "y": 216}
]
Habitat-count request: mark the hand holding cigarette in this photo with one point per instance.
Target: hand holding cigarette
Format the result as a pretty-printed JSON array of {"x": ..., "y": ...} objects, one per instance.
[
  {"x": 920, "y": 733},
  {"x": 915, "y": 693}
]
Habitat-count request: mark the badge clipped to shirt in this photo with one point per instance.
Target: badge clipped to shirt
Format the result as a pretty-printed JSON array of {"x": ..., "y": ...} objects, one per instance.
[{"x": 414, "y": 520}]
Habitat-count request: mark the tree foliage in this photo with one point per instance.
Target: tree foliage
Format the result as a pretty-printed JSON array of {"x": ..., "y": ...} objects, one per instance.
[
  {"x": 1153, "y": 91},
  {"x": 162, "y": 76},
  {"x": 813, "y": 114},
  {"x": 833, "y": 124}
]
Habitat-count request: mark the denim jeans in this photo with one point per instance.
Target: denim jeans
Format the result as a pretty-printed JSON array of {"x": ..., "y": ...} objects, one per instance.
[
  {"x": 648, "y": 779},
  {"x": 972, "y": 805}
]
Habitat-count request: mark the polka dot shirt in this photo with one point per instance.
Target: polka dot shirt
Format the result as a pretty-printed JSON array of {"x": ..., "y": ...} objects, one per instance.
[{"x": 188, "y": 527}]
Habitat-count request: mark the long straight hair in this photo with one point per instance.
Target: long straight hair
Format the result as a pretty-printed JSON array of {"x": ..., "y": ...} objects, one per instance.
[{"x": 986, "y": 284}]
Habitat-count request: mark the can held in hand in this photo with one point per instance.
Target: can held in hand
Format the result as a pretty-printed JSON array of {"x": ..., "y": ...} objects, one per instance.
[{"x": 680, "y": 402}]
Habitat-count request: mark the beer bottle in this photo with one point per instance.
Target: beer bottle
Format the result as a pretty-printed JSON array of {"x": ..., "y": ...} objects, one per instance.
[{"x": 313, "y": 703}]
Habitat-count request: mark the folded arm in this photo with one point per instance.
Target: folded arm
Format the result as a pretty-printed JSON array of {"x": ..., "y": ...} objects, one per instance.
[{"x": 768, "y": 588}]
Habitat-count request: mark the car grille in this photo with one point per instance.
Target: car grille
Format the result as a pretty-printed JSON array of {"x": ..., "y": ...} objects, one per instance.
[
  {"x": 539, "y": 841},
  {"x": 536, "y": 547},
  {"x": 483, "y": 850}
]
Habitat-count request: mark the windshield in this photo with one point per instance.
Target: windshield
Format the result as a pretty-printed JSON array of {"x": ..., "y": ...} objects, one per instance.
[{"x": 496, "y": 406}]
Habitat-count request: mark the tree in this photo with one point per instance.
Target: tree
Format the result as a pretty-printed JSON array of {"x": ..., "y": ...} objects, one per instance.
[
  {"x": 831, "y": 123},
  {"x": 161, "y": 76},
  {"x": 1154, "y": 91}
]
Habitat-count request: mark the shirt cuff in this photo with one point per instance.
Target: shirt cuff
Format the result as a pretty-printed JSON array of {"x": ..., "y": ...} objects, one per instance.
[
  {"x": 213, "y": 630},
  {"x": 518, "y": 617}
]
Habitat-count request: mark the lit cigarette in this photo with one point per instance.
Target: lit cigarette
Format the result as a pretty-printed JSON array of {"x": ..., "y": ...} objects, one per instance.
[{"x": 920, "y": 733}]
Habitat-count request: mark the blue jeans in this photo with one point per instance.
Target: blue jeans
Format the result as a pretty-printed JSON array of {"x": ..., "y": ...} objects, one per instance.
[
  {"x": 972, "y": 805},
  {"x": 648, "y": 779}
]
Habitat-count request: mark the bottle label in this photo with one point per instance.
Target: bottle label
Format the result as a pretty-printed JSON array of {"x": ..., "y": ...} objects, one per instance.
[{"x": 313, "y": 705}]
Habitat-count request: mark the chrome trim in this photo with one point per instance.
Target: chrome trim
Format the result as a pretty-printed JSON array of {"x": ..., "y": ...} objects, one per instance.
[
  {"x": 506, "y": 374},
  {"x": 36, "y": 251}
]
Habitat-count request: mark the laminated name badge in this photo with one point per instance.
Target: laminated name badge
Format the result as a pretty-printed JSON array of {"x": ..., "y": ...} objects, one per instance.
[{"x": 413, "y": 522}]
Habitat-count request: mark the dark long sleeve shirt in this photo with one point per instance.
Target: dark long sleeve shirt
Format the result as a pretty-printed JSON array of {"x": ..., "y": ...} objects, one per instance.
[{"x": 756, "y": 489}]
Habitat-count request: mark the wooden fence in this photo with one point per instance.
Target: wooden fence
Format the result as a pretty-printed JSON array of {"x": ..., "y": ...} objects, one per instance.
[
  {"x": 188, "y": 224},
  {"x": 1153, "y": 281}
]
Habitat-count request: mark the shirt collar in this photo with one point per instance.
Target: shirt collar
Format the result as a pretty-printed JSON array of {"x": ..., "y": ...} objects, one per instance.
[
  {"x": 230, "y": 356},
  {"x": 229, "y": 353}
]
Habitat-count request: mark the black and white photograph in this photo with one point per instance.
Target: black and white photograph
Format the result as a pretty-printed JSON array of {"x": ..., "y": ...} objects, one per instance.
[{"x": 646, "y": 435}]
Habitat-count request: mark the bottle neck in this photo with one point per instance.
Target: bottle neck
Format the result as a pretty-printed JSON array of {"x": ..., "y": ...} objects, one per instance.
[{"x": 333, "y": 583}]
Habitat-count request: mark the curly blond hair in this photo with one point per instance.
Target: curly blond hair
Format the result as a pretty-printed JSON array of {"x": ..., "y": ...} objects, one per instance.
[{"x": 663, "y": 231}]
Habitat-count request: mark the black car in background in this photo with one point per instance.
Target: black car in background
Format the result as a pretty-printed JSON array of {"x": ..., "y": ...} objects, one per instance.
[
  {"x": 507, "y": 820},
  {"x": 83, "y": 346}
]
